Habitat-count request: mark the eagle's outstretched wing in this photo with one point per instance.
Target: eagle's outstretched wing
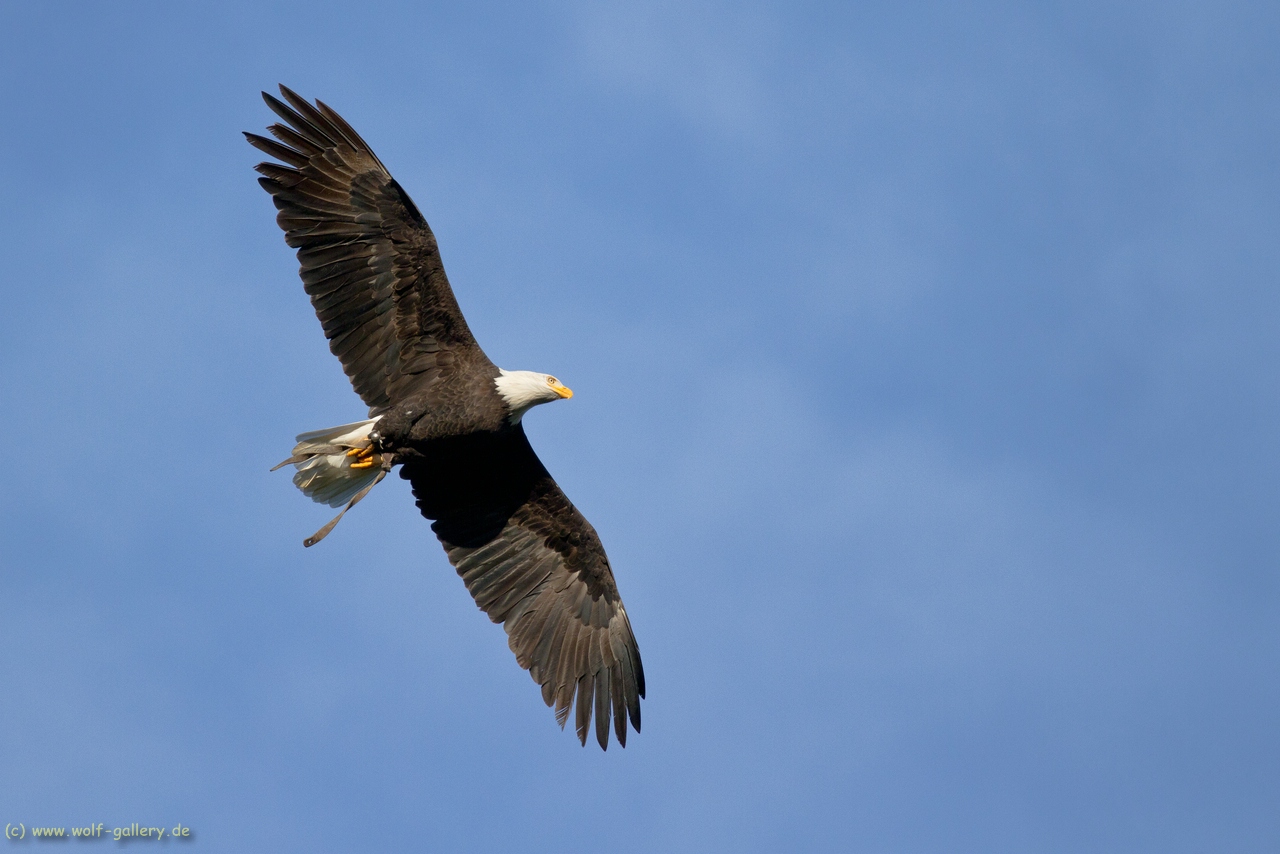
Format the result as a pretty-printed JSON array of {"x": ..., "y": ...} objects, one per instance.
[
  {"x": 535, "y": 565},
  {"x": 369, "y": 260}
]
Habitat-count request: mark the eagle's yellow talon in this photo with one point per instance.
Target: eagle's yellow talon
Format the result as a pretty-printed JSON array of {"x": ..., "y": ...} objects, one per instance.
[{"x": 364, "y": 458}]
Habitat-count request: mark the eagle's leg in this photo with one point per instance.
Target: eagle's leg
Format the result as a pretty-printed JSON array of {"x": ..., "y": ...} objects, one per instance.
[{"x": 395, "y": 425}]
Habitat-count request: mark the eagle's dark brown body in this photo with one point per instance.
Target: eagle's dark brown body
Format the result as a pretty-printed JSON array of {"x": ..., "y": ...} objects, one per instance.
[{"x": 531, "y": 561}]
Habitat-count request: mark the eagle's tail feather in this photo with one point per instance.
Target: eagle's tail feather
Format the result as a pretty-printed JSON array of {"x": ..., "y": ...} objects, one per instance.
[{"x": 336, "y": 466}]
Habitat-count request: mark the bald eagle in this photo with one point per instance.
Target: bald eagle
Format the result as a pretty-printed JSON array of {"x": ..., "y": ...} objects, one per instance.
[{"x": 445, "y": 414}]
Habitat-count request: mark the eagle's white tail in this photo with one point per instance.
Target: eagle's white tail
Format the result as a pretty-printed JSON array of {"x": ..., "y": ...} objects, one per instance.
[{"x": 331, "y": 468}]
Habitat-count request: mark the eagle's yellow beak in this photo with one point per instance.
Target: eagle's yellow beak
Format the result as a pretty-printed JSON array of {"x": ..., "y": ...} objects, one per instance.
[{"x": 562, "y": 390}]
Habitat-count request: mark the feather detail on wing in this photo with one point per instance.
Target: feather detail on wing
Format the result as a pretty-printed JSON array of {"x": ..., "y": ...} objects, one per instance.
[
  {"x": 369, "y": 260},
  {"x": 535, "y": 565}
]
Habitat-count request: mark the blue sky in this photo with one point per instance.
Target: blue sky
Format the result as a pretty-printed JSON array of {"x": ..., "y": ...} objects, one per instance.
[{"x": 925, "y": 362}]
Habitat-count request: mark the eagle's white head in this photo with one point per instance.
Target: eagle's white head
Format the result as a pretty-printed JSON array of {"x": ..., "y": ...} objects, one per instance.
[{"x": 523, "y": 390}]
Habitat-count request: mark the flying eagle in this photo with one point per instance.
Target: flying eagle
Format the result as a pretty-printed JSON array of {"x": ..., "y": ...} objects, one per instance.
[{"x": 445, "y": 414}]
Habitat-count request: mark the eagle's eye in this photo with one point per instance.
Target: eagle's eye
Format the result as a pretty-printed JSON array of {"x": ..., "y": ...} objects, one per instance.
[{"x": 552, "y": 381}]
